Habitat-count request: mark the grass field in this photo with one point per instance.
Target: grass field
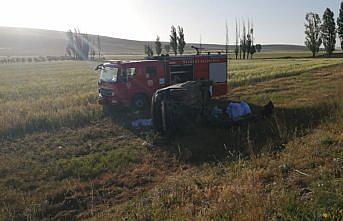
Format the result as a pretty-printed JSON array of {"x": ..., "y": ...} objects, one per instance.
[
  {"x": 46, "y": 96},
  {"x": 251, "y": 71},
  {"x": 61, "y": 158}
]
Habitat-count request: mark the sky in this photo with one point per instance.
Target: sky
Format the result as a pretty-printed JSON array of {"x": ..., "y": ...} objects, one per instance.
[{"x": 275, "y": 21}]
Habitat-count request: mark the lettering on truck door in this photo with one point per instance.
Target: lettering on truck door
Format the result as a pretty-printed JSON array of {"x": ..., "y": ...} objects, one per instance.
[{"x": 154, "y": 80}]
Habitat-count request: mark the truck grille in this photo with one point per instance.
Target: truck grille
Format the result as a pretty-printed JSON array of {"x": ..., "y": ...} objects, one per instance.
[{"x": 105, "y": 92}]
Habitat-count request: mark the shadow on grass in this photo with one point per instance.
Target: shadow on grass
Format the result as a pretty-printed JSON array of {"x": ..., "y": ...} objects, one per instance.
[
  {"x": 195, "y": 144},
  {"x": 214, "y": 144},
  {"x": 211, "y": 143}
]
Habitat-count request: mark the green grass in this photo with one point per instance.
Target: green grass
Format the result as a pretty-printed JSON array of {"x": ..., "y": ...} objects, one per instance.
[
  {"x": 251, "y": 71},
  {"x": 50, "y": 95},
  {"x": 44, "y": 96},
  {"x": 61, "y": 158}
]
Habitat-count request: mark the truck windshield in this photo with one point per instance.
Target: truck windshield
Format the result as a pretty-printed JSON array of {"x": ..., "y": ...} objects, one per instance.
[{"x": 109, "y": 74}]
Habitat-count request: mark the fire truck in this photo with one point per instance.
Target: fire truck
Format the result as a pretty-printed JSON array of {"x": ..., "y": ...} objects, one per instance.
[{"x": 133, "y": 83}]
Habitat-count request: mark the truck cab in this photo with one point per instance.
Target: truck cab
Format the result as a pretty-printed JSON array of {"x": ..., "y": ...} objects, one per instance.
[{"x": 129, "y": 83}]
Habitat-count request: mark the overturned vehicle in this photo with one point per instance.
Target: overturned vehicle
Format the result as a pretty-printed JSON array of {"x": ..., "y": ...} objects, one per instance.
[
  {"x": 187, "y": 104},
  {"x": 177, "y": 105}
]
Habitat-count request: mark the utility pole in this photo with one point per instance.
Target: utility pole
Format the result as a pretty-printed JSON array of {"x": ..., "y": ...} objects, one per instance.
[
  {"x": 227, "y": 38},
  {"x": 252, "y": 36},
  {"x": 240, "y": 40},
  {"x": 236, "y": 46},
  {"x": 200, "y": 45}
]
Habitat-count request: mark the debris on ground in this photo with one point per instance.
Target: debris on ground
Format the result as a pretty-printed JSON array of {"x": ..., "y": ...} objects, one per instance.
[
  {"x": 278, "y": 148},
  {"x": 147, "y": 144},
  {"x": 301, "y": 173},
  {"x": 216, "y": 112},
  {"x": 285, "y": 169},
  {"x": 238, "y": 110},
  {"x": 141, "y": 123},
  {"x": 268, "y": 109}
]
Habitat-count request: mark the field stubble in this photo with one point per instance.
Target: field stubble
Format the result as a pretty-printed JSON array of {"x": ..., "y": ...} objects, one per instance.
[
  {"x": 62, "y": 158},
  {"x": 50, "y": 95}
]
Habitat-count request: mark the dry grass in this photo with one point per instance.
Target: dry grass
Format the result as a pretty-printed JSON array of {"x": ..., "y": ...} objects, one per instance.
[
  {"x": 301, "y": 182},
  {"x": 47, "y": 96},
  {"x": 50, "y": 95},
  {"x": 252, "y": 71},
  {"x": 60, "y": 158}
]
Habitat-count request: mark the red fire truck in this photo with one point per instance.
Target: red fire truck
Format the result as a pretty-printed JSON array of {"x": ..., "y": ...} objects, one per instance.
[{"x": 132, "y": 83}]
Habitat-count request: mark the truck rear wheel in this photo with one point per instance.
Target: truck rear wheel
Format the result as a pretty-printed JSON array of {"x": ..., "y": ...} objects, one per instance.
[{"x": 140, "y": 102}]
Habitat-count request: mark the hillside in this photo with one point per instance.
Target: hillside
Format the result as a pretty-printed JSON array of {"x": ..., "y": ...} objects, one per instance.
[{"x": 37, "y": 42}]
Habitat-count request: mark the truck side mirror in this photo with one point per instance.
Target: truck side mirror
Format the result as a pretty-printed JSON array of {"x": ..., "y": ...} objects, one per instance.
[{"x": 99, "y": 67}]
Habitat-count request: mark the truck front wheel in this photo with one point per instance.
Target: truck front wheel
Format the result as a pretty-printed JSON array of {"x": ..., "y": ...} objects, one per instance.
[
  {"x": 140, "y": 102},
  {"x": 107, "y": 110}
]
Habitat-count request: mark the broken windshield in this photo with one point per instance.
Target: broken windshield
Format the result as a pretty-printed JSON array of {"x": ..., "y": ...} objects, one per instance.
[{"x": 109, "y": 74}]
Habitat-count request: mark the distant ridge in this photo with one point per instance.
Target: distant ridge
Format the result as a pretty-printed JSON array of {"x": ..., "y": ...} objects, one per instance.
[
  {"x": 284, "y": 47},
  {"x": 39, "y": 42}
]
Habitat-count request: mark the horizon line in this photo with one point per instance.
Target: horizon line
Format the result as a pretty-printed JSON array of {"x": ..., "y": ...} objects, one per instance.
[{"x": 106, "y": 36}]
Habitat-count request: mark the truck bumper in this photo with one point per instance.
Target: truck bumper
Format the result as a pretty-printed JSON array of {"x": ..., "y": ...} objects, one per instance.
[{"x": 107, "y": 101}]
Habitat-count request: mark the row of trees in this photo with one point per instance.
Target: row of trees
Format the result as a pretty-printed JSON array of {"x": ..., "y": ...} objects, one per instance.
[
  {"x": 177, "y": 43},
  {"x": 323, "y": 31},
  {"x": 12, "y": 60},
  {"x": 244, "y": 45},
  {"x": 244, "y": 48},
  {"x": 82, "y": 46}
]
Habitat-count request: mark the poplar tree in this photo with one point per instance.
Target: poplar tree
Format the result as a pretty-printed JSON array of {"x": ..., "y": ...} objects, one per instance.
[
  {"x": 99, "y": 48},
  {"x": 258, "y": 47},
  {"x": 249, "y": 41},
  {"x": 71, "y": 45},
  {"x": 173, "y": 39},
  {"x": 244, "y": 41},
  {"x": 329, "y": 31},
  {"x": 167, "y": 48},
  {"x": 78, "y": 45},
  {"x": 313, "y": 38},
  {"x": 92, "y": 50},
  {"x": 148, "y": 50},
  {"x": 236, "y": 47},
  {"x": 252, "y": 47},
  {"x": 340, "y": 25},
  {"x": 240, "y": 40},
  {"x": 158, "y": 46},
  {"x": 181, "y": 40},
  {"x": 226, "y": 38}
]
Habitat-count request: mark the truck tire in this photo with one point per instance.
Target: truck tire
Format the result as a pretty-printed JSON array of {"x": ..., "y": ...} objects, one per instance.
[
  {"x": 107, "y": 110},
  {"x": 140, "y": 102}
]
